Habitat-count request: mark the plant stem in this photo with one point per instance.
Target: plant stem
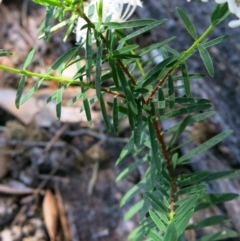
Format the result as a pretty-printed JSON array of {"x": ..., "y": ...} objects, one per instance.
[
  {"x": 58, "y": 79},
  {"x": 160, "y": 138},
  {"x": 183, "y": 57}
]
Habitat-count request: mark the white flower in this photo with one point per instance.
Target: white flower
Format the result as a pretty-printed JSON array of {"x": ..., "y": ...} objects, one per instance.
[{"x": 111, "y": 8}]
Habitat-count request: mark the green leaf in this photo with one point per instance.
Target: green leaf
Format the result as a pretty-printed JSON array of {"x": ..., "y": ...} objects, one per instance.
[
  {"x": 115, "y": 115},
  {"x": 86, "y": 106},
  {"x": 180, "y": 130},
  {"x": 183, "y": 222},
  {"x": 124, "y": 49},
  {"x": 219, "y": 13},
  {"x": 130, "y": 168},
  {"x": 215, "y": 41},
  {"x": 59, "y": 100},
  {"x": 160, "y": 224},
  {"x": 29, "y": 59},
  {"x": 214, "y": 220},
  {"x": 154, "y": 235},
  {"x": 127, "y": 90},
  {"x": 223, "y": 235},
  {"x": 171, "y": 92},
  {"x": 88, "y": 55},
  {"x": 98, "y": 71},
  {"x": 68, "y": 54},
  {"x": 20, "y": 89},
  {"x": 114, "y": 72},
  {"x": 187, "y": 110},
  {"x": 158, "y": 205},
  {"x": 161, "y": 101},
  {"x": 48, "y": 22},
  {"x": 134, "y": 210},
  {"x": 129, "y": 24},
  {"x": 191, "y": 77},
  {"x": 185, "y": 180},
  {"x": 32, "y": 91},
  {"x": 155, "y": 46},
  {"x": 154, "y": 145},
  {"x": 205, "y": 146},
  {"x": 104, "y": 113},
  {"x": 192, "y": 189},
  {"x": 212, "y": 199},
  {"x": 48, "y": 2},
  {"x": 222, "y": 175},
  {"x": 127, "y": 150},
  {"x": 186, "y": 79},
  {"x": 149, "y": 77},
  {"x": 194, "y": 119},
  {"x": 206, "y": 58},
  {"x": 187, "y": 23},
  {"x": 126, "y": 56},
  {"x": 138, "y": 126},
  {"x": 4, "y": 52},
  {"x": 143, "y": 30},
  {"x": 132, "y": 192},
  {"x": 171, "y": 233}
]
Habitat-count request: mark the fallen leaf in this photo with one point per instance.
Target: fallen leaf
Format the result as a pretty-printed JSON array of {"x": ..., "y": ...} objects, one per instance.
[
  {"x": 50, "y": 214},
  {"x": 25, "y": 113}
]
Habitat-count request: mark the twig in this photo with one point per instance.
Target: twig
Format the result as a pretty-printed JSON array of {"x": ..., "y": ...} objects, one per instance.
[
  {"x": 93, "y": 178},
  {"x": 3, "y": 141},
  {"x": 55, "y": 137},
  {"x": 101, "y": 137}
]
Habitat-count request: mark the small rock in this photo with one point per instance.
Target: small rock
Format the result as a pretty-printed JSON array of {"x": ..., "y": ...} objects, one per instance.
[
  {"x": 40, "y": 234},
  {"x": 6, "y": 235},
  {"x": 16, "y": 233}
]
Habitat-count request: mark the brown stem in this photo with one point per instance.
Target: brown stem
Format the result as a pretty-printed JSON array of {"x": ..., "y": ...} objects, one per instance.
[
  {"x": 125, "y": 70},
  {"x": 158, "y": 131},
  {"x": 158, "y": 84}
]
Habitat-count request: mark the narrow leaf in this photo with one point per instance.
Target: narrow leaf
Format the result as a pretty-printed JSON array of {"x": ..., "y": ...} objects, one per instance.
[
  {"x": 127, "y": 90},
  {"x": 59, "y": 100},
  {"x": 209, "y": 200},
  {"x": 223, "y": 235},
  {"x": 171, "y": 92},
  {"x": 171, "y": 233},
  {"x": 132, "y": 192},
  {"x": 205, "y": 146},
  {"x": 29, "y": 58},
  {"x": 4, "y": 52},
  {"x": 186, "y": 79},
  {"x": 127, "y": 150},
  {"x": 179, "y": 131},
  {"x": 86, "y": 107},
  {"x": 216, "y": 41},
  {"x": 143, "y": 30},
  {"x": 130, "y": 24},
  {"x": 104, "y": 113},
  {"x": 154, "y": 144},
  {"x": 98, "y": 71},
  {"x": 115, "y": 115},
  {"x": 48, "y": 22},
  {"x": 154, "y": 235},
  {"x": 138, "y": 126},
  {"x": 207, "y": 60},
  {"x": 215, "y": 220},
  {"x": 133, "y": 210},
  {"x": 161, "y": 102},
  {"x": 160, "y": 224},
  {"x": 20, "y": 91},
  {"x": 187, "y": 23},
  {"x": 88, "y": 54}
]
